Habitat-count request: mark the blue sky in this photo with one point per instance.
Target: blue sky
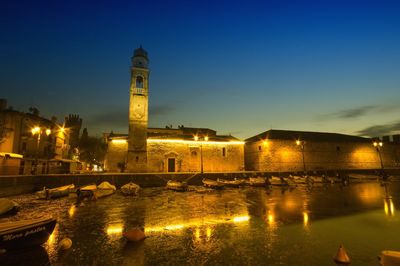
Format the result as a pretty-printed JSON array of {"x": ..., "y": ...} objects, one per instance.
[{"x": 239, "y": 67}]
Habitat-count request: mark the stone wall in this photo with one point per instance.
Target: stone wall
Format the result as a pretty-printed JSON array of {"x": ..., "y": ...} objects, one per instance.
[
  {"x": 188, "y": 157},
  {"x": 285, "y": 155},
  {"x": 116, "y": 153}
]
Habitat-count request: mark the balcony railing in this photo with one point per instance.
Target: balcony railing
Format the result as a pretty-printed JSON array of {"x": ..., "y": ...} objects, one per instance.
[{"x": 141, "y": 91}]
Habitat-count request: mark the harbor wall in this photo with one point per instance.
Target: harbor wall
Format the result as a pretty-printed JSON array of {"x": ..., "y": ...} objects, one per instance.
[{"x": 15, "y": 185}]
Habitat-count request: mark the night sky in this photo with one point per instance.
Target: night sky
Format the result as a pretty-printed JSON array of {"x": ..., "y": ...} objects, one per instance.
[{"x": 236, "y": 67}]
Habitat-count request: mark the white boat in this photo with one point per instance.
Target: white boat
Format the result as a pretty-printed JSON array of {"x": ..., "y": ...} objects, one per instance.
[
  {"x": 130, "y": 189},
  {"x": 361, "y": 177},
  {"x": 8, "y": 206},
  {"x": 89, "y": 187},
  {"x": 232, "y": 183},
  {"x": 212, "y": 183},
  {"x": 258, "y": 181},
  {"x": 176, "y": 185},
  {"x": 277, "y": 181},
  {"x": 297, "y": 179},
  {"x": 104, "y": 189},
  {"x": 57, "y": 192}
]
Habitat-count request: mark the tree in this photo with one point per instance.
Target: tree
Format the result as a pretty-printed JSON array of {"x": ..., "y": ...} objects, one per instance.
[{"x": 92, "y": 150}]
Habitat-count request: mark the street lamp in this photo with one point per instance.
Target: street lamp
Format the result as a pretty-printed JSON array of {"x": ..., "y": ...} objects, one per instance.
[
  {"x": 39, "y": 131},
  {"x": 196, "y": 138},
  {"x": 377, "y": 145},
  {"x": 301, "y": 144}
]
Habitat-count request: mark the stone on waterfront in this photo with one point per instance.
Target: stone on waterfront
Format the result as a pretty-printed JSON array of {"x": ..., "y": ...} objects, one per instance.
[
  {"x": 134, "y": 235},
  {"x": 65, "y": 244}
]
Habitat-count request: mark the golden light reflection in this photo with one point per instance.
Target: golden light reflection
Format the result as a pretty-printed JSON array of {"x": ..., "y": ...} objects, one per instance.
[
  {"x": 240, "y": 219},
  {"x": 114, "y": 229},
  {"x": 197, "y": 234},
  {"x": 197, "y": 223},
  {"x": 389, "y": 207},
  {"x": 271, "y": 218},
  {"x": 208, "y": 233},
  {"x": 175, "y": 227},
  {"x": 52, "y": 238},
  {"x": 305, "y": 218},
  {"x": 72, "y": 211}
]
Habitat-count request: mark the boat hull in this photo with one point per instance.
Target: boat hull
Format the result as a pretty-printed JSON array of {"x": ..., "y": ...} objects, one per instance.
[
  {"x": 177, "y": 186},
  {"x": 212, "y": 184},
  {"x": 54, "y": 193},
  {"x": 27, "y": 235},
  {"x": 130, "y": 189}
]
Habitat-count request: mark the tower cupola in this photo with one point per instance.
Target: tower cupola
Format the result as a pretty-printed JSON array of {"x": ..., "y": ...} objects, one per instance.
[{"x": 139, "y": 58}]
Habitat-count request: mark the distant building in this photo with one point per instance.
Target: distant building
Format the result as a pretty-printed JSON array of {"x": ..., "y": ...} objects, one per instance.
[
  {"x": 177, "y": 150},
  {"x": 184, "y": 149},
  {"x": 30, "y": 144},
  {"x": 285, "y": 150}
]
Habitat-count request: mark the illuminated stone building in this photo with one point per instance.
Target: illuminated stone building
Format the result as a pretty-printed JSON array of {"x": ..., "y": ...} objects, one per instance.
[
  {"x": 284, "y": 150},
  {"x": 30, "y": 143},
  {"x": 183, "y": 149}
]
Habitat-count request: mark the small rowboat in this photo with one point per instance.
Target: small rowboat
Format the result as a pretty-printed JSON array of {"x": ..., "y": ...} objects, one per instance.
[
  {"x": 177, "y": 185},
  {"x": 130, "y": 189},
  {"x": 257, "y": 181},
  {"x": 231, "y": 183},
  {"x": 104, "y": 189},
  {"x": 212, "y": 183},
  {"x": 57, "y": 192},
  {"x": 277, "y": 181},
  {"x": 8, "y": 206},
  {"x": 26, "y": 233}
]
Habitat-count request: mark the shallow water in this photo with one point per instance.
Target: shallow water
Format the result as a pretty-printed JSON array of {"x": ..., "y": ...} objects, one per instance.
[{"x": 251, "y": 226}]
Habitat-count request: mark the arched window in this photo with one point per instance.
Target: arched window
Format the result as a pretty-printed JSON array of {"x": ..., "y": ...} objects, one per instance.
[{"x": 139, "y": 82}]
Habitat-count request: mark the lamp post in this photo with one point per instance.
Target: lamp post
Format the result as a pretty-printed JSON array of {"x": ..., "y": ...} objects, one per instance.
[
  {"x": 196, "y": 138},
  {"x": 39, "y": 131},
  {"x": 301, "y": 144},
  {"x": 377, "y": 145}
]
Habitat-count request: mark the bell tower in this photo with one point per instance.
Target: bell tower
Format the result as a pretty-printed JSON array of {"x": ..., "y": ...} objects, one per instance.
[{"x": 138, "y": 112}]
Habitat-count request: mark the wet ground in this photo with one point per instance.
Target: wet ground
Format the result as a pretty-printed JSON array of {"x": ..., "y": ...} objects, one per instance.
[{"x": 238, "y": 226}]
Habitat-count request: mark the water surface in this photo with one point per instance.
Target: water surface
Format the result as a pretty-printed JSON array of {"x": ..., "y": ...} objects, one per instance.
[{"x": 245, "y": 226}]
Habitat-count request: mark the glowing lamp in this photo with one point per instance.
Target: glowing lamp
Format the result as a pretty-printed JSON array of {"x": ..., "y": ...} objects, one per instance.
[
  {"x": 35, "y": 130},
  {"x": 48, "y": 132}
]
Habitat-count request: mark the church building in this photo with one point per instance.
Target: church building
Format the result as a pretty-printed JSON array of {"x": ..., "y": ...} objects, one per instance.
[{"x": 167, "y": 149}]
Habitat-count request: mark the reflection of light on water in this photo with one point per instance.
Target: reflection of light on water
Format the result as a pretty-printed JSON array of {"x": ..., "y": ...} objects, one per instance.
[
  {"x": 369, "y": 194},
  {"x": 239, "y": 219},
  {"x": 174, "y": 227},
  {"x": 271, "y": 218},
  {"x": 208, "y": 233},
  {"x": 305, "y": 218},
  {"x": 114, "y": 229},
  {"x": 197, "y": 223},
  {"x": 197, "y": 234},
  {"x": 51, "y": 239},
  {"x": 389, "y": 207},
  {"x": 71, "y": 211}
]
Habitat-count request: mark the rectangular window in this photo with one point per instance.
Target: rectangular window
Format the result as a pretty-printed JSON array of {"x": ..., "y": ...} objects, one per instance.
[
  {"x": 259, "y": 148},
  {"x": 223, "y": 152}
]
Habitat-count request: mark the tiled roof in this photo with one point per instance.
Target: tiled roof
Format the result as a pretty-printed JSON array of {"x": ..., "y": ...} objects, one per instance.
[{"x": 304, "y": 135}]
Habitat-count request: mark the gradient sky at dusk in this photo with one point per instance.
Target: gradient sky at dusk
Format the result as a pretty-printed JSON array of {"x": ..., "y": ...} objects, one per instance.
[{"x": 239, "y": 67}]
